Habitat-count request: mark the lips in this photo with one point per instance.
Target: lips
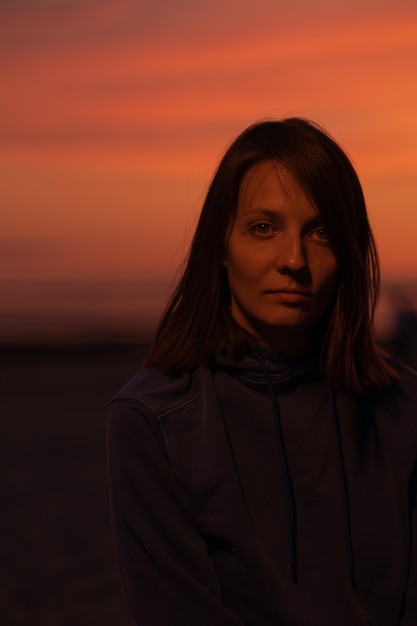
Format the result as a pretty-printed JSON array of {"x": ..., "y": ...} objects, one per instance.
[
  {"x": 298, "y": 292},
  {"x": 290, "y": 297}
]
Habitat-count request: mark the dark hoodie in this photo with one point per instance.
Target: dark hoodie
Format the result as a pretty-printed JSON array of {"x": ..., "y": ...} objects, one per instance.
[{"x": 250, "y": 494}]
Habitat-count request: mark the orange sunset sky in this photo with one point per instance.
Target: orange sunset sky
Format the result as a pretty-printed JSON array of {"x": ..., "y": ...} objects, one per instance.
[{"x": 114, "y": 114}]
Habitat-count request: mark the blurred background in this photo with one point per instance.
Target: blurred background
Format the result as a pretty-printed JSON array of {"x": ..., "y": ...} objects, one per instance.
[{"x": 114, "y": 115}]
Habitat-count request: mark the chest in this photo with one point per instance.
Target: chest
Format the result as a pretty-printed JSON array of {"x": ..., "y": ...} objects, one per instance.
[{"x": 240, "y": 461}]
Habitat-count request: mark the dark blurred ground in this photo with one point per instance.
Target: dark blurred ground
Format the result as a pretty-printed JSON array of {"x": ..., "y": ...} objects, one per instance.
[{"x": 58, "y": 567}]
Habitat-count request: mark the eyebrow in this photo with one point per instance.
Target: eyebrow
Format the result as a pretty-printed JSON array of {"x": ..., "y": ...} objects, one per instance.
[
  {"x": 275, "y": 213},
  {"x": 266, "y": 212}
]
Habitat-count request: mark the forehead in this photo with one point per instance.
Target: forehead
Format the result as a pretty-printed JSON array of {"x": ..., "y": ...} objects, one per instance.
[{"x": 269, "y": 185}]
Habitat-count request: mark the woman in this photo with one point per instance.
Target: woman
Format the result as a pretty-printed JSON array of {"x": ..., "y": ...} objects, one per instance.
[{"x": 262, "y": 465}]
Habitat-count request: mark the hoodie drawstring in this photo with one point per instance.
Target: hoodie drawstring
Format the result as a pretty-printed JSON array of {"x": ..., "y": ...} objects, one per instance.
[
  {"x": 345, "y": 493},
  {"x": 289, "y": 490}
]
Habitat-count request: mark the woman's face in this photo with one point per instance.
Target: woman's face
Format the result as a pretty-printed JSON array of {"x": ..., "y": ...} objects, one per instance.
[{"x": 282, "y": 271}]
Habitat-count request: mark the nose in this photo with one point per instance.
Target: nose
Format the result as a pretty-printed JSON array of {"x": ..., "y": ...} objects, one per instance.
[{"x": 290, "y": 255}]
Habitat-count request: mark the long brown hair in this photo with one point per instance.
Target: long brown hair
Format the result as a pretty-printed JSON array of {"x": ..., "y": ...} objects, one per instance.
[{"x": 197, "y": 321}]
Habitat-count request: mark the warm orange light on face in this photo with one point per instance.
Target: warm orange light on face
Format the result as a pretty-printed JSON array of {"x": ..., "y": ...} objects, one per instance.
[{"x": 281, "y": 269}]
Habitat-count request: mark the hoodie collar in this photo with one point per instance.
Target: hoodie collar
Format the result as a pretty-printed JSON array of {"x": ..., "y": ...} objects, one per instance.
[{"x": 283, "y": 371}]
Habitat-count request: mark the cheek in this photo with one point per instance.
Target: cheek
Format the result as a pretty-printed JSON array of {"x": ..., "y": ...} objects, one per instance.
[
  {"x": 329, "y": 280},
  {"x": 244, "y": 271},
  {"x": 330, "y": 270},
  {"x": 247, "y": 262},
  {"x": 324, "y": 273},
  {"x": 324, "y": 266}
]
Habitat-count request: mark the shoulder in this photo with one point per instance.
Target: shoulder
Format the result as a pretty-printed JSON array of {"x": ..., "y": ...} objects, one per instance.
[
  {"x": 398, "y": 400},
  {"x": 160, "y": 393},
  {"x": 407, "y": 379}
]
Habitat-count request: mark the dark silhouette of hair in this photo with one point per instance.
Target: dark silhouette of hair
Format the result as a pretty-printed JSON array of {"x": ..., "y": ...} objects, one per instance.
[{"x": 197, "y": 321}]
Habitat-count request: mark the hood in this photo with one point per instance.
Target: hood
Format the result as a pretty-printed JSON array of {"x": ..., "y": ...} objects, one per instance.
[{"x": 283, "y": 372}]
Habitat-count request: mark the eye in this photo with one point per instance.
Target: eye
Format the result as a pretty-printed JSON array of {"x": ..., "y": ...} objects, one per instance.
[
  {"x": 321, "y": 233},
  {"x": 263, "y": 228}
]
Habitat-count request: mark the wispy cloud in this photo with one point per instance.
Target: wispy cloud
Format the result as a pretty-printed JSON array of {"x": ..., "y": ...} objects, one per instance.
[
  {"x": 115, "y": 89},
  {"x": 114, "y": 112}
]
